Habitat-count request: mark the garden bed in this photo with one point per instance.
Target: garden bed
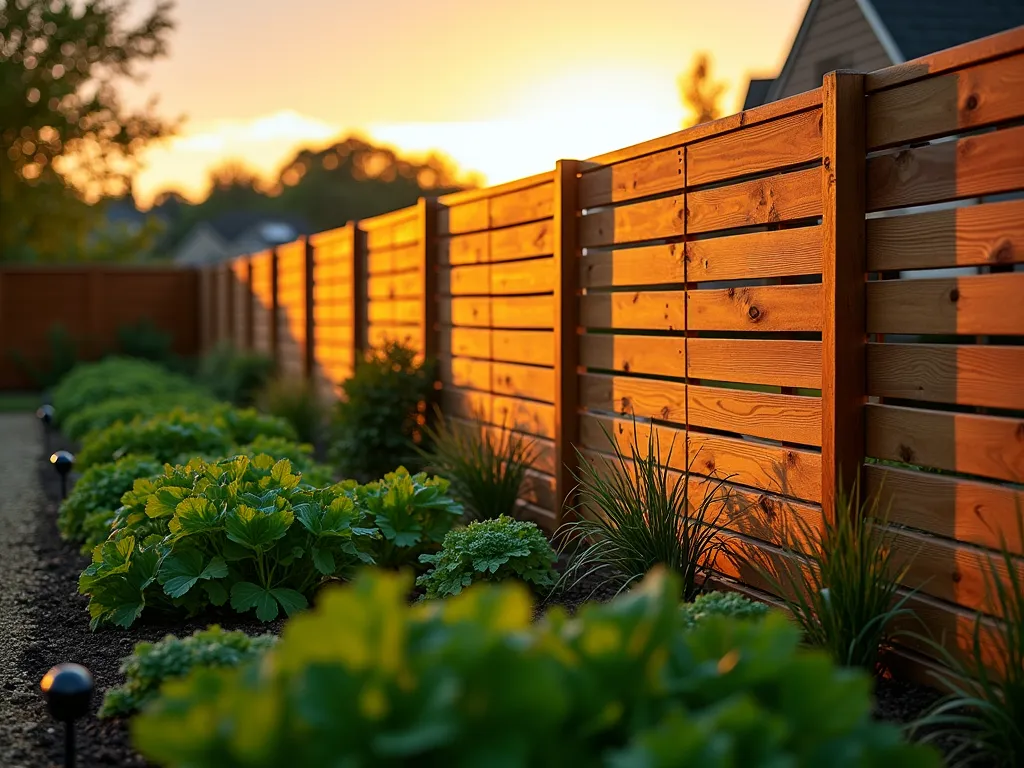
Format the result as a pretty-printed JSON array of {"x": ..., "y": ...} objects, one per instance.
[{"x": 45, "y": 622}]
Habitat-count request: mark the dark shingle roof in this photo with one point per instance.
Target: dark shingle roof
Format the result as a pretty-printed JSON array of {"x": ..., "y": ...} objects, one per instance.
[
  {"x": 757, "y": 92},
  {"x": 234, "y": 223},
  {"x": 919, "y": 28}
]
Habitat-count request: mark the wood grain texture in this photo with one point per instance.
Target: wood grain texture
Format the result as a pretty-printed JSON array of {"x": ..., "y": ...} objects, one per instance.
[
  {"x": 769, "y": 200},
  {"x": 649, "y": 220},
  {"x": 981, "y": 375},
  {"x": 767, "y": 308},
  {"x": 788, "y": 141},
  {"x": 406, "y": 259},
  {"x": 987, "y": 446},
  {"x": 973, "y": 97},
  {"x": 990, "y": 234},
  {"x": 520, "y": 207},
  {"x": 788, "y": 418},
  {"x": 635, "y": 310},
  {"x": 987, "y": 164},
  {"x": 782, "y": 253},
  {"x": 524, "y": 416},
  {"x": 650, "y": 265},
  {"x": 655, "y": 355},
  {"x": 628, "y": 396},
  {"x": 974, "y": 304},
  {"x": 978, "y": 513},
  {"x": 648, "y": 175},
  {"x": 510, "y": 278},
  {"x": 404, "y": 286},
  {"x": 530, "y": 347},
  {"x": 775, "y": 362},
  {"x": 524, "y": 381},
  {"x": 842, "y": 300},
  {"x": 498, "y": 312},
  {"x": 520, "y": 242}
]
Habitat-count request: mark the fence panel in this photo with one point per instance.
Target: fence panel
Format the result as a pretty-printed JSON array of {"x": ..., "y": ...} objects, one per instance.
[
  {"x": 336, "y": 280},
  {"x": 394, "y": 279},
  {"x": 292, "y": 302}
]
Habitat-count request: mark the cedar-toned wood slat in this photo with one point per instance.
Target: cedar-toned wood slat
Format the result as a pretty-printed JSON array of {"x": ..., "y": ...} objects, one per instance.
[
  {"x": 757, "y": 308},
  {"x": 651, "y": 265},
  {"x": 525, "y": 381},
  {"x": 970, "y": 98},
  {"x": 405, "y": 259},
  {"x": 782, "y": 253},
  {"x": 769, "y": 200},
  {"x": 788, "y": 141},
  {"x": 988, "y": 446},
  {"x": 539, "y": 490},
  {"x": 525, "y": 416},
  {"x": 519, "y": 277},
  {"x": 530, "y": 347},
  {"x": 982, "y": 375},
  {"x": 788, "y": 418},
  {"x": 403, "y": 286},
  {"x": 498, "y": 312},
  {"x": 522, "y": 242},
  {"x": 642, "y": 398},
  {"x": 775, "y": 362},
  {"x": 661, "y": 172},
  {"x": 395, "y": 311},
  {"x": 654, "y": 355},
  {"x": 987, "y": 164},
  {"x": 653, "y": 310},
  {"x": 520, "y": 207},
  {"x": 392, "y": 230},
  {"x": 784, "y": 470},
  {"x": 965, "y": 510},
  {"x": 379, "y": 334},
  {"x": 649, "y": 220},
  {"x": 974, "y": 304},
  {"x": 980, "y": 235}
]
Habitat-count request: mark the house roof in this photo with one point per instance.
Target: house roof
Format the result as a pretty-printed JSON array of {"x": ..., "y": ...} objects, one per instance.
[
  {"x": 234, "y": 224},
  {"x": 908, "y": 29},
  {"x": 757, "y": 91}
]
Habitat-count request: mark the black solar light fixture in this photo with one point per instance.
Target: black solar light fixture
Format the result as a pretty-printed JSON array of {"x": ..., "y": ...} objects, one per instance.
[
  {"x": 45, "y": 415},
  {"x": 68, "y": 690},
  {"x": 63, "y": 461}
]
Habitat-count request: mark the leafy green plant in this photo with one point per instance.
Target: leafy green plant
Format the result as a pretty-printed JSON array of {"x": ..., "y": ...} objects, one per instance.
[
  {"x": 486, "y": 466},
  {"x": 241, "y": 529},
  {"x": 93, "y": 418},
  {"x": 145, "y": 341},
  {"x": 151, "y": 664},
  {"x": 489, "y": 550},
  {"x": 365, "y": 679},
  {"x": 62, "y": 358},
  {"x": 412, "y": 512},
  {"x": 633, "y": 514},
  {"x": 235, "y": 375},
  {"x": 727, "y": 604},
  {"x": 114, "y": 377},
  {"x": 295, "y": 402},
  {"x": 98, "y": 493},
  {"x": 245, "y": 425},
  {"x": 381, "y": 413},
  {"x": 840, "y": 579},
  {"x": 299, "y": 454},
  {"x": 986, "y": 706}
]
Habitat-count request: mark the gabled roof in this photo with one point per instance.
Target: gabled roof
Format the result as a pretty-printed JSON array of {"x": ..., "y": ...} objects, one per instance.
[
  {"x": 757, "y": 91},
  {"x": 908, "y": 29}
]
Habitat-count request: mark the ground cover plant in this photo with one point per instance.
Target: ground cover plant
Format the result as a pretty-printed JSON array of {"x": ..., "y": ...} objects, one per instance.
[
  {"x": 241, "y": 531},
  {"x": 234, "y": 375},
  {"x": 490, "y": 550},
  {"x": 152, "y": 664},
  {"x": 727, "y": 604},
  {"x": 486, "y": 466},
  {"x": 366, "y": 679},
  {"x": 99, "y": 416}
]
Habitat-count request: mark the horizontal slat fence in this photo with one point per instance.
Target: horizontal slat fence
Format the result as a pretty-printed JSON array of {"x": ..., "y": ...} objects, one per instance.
[{"x": 823, "y": 287}]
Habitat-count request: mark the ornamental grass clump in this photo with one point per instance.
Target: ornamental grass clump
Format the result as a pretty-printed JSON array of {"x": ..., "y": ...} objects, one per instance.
[
  {"x": 634, "y": 513},
  {"x": 490, "y": 550},
  {"x": 486, "y": 465}
]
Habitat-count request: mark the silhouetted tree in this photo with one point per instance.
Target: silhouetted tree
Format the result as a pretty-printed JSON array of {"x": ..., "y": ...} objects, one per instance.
[{"x": 699, "y": 93}]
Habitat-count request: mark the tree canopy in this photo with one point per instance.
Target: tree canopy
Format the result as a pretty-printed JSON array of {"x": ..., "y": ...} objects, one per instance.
[{"x": 699, "y": 93}]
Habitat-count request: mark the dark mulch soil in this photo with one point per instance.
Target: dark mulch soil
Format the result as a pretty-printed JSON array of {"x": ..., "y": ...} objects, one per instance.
[{"x": 59, "y": 632}]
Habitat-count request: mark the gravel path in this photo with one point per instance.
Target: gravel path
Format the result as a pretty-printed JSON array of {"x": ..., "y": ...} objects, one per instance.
[{"x": 22, "y": 504}]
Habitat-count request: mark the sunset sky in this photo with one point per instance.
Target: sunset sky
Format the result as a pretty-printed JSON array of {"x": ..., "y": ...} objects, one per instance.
[{"x": 504, "y": 87}]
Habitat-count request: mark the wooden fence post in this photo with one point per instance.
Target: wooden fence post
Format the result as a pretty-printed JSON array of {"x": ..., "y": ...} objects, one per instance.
[
  {"x": 843, "y": 334},
  {"x": 427, "y": 210},
  {"x": 566, "y": 302}
]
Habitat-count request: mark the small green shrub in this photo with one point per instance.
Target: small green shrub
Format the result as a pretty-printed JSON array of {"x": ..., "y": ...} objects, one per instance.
[
  {"x": 235, "y": 375},
  {"x": 145, "y": 341},
  {"x": 366, "y": 680},
  {"x": 151, "y": 664},
  {"x": 727, "y": 604},
  {"x": 299, "y": 454},
  {"x": 412, "y": 512},
  {"x": 241, "y": 529},
  {"x": 634, "y": 514},
  {"x": 839, "y": 579},
  {"x": 490, "y": 550},
  {"x": 105, "y": 413},
  {"x": 296, "y": 403},
  {"x": 486, "y": 467},
  {"x": 114, "y": 377},
  {"x": 379, "y": 417},
  {"x": 98, "y": 493}
]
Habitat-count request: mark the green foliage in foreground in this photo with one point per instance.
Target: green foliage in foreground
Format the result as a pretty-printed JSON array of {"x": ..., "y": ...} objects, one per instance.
[
  {"x": 151, "y": 664},
  {"x": 97, "y": 493},
  {"x": 727, "y": 604},
  {"x": 490, "y": 550},
  {"x": 244, "y": 531},
  {"x": 367, "y": 680},
  {"x": 99, "y": 416}
]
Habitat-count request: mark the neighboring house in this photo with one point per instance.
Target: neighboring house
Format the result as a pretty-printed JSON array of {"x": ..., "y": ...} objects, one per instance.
[
  {"x": 235, "y": 234},
  {"x": 866, "y": 35}
]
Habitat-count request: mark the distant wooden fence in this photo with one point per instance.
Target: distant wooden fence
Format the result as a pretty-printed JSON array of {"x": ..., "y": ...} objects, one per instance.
[
  {"x": 761, "y": 287},
  {"x": 91, "y": 303}
]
